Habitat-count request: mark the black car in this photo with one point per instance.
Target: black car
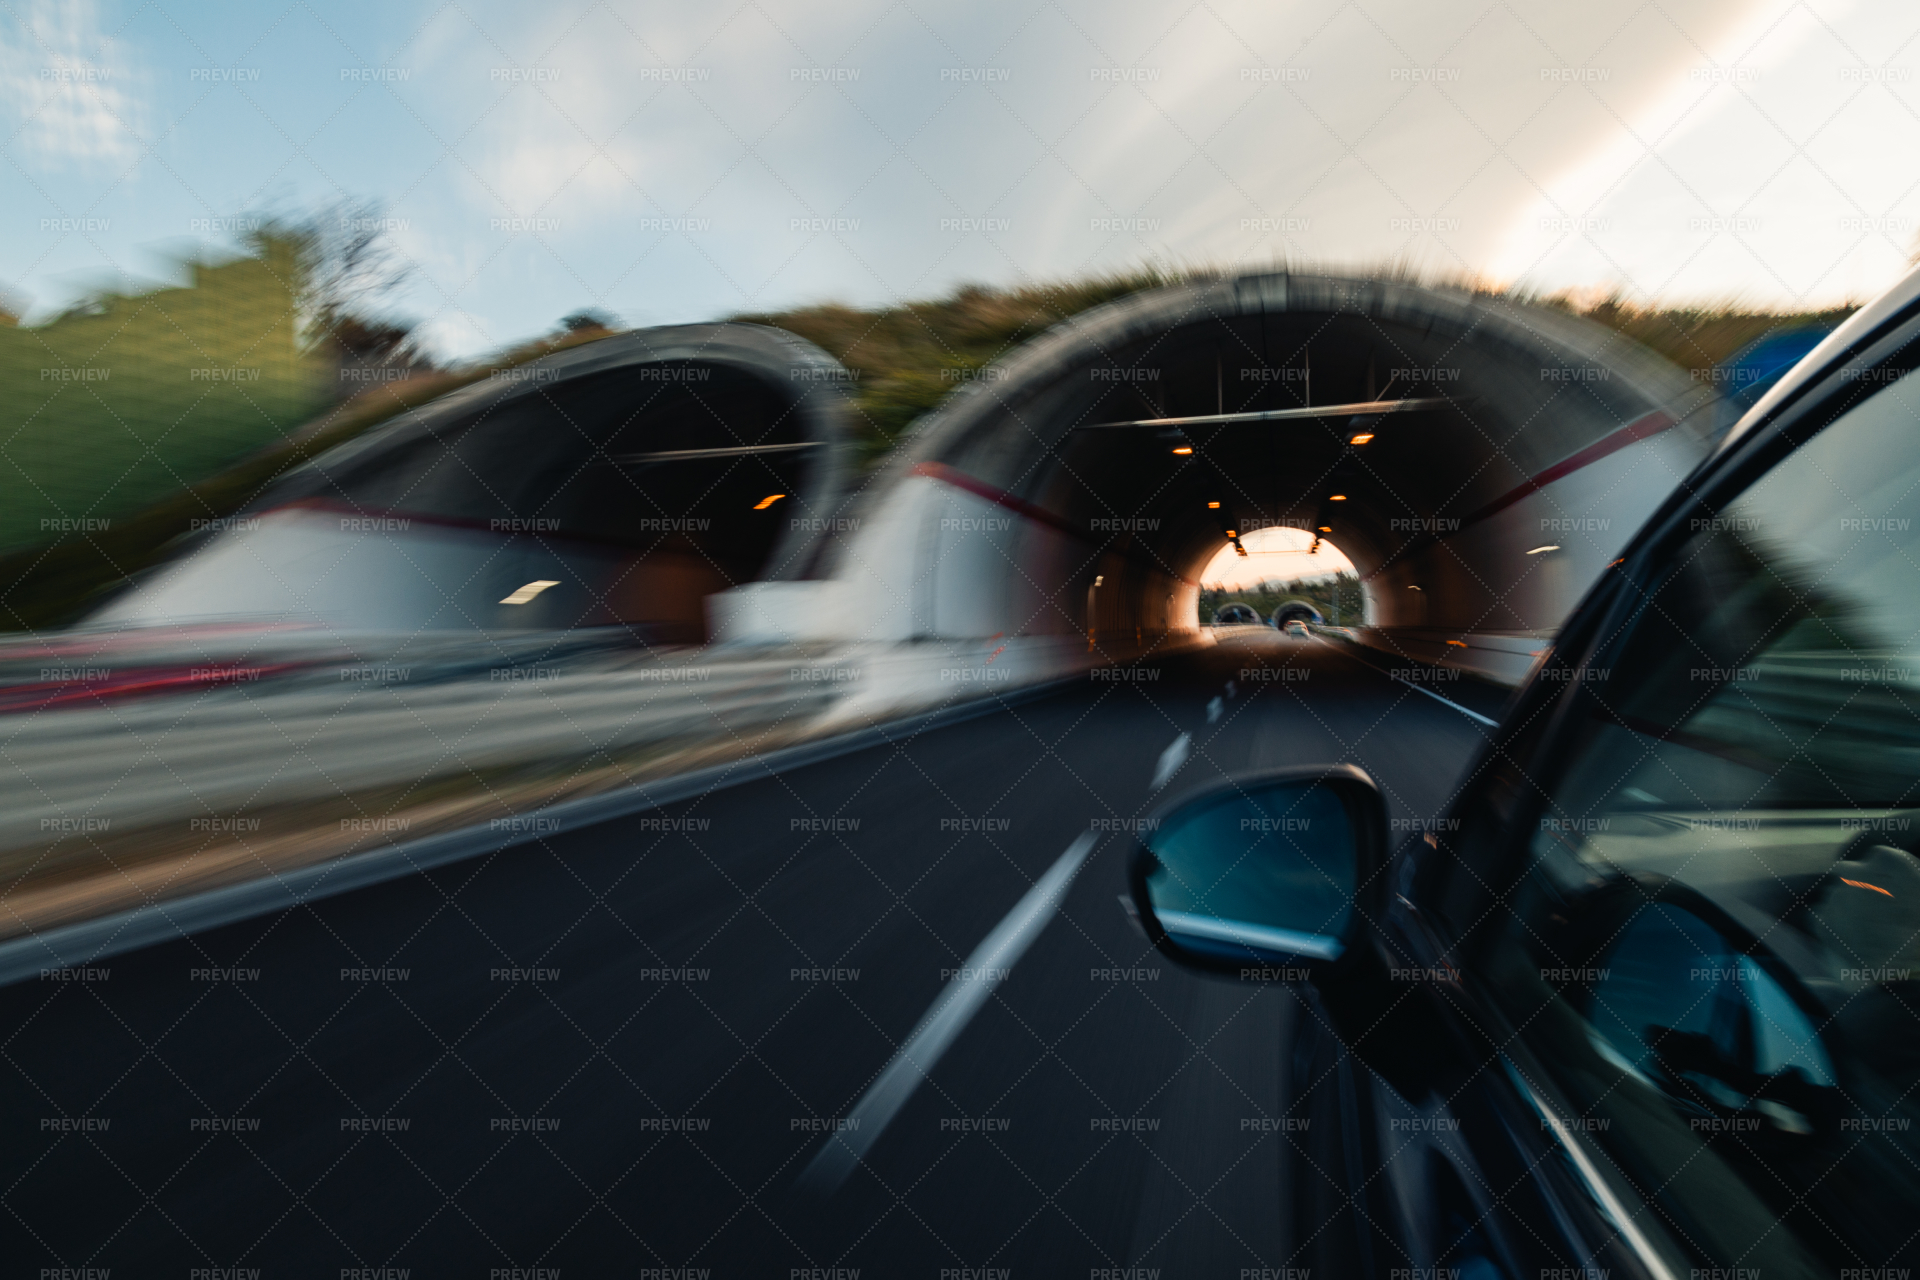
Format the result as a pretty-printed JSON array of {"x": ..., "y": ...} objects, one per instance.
[{"x": 1647, "y": 1001}]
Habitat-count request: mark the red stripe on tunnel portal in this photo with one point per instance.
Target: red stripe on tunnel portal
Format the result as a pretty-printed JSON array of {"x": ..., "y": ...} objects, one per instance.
[
  {"x": 1639, "y": 429},
  {"x": 1634, "y": 432},
  {"x": 1039, "y": 515}
]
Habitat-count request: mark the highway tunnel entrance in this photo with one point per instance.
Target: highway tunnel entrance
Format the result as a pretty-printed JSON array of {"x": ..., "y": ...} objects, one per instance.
[
  {"x": 1479, "y": 458},
  {"x": 1285, "y": 575},
  {"x": 617, "y": 484}
]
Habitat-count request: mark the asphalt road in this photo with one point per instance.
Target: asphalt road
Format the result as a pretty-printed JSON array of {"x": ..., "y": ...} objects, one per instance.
[{"x": 616, "y": 1050}]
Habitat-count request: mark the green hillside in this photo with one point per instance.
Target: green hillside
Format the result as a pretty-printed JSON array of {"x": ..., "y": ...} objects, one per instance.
[{"x": 116, "y": 405}]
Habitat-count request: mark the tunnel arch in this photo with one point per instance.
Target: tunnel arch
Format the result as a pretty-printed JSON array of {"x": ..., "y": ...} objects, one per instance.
[
  {"x": 632, "y": 475},
  {"x": 1296, "y": 611},
  {"x": 1496, "y": 427}
]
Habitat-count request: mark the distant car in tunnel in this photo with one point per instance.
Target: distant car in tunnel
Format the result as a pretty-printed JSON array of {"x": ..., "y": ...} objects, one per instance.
[
  {"x": 1646, "y": 1000},
  {"x": 1295, "y": 611},
  {"x": 1295, "y": 627},
  {"x": 1236, "y": 615}
]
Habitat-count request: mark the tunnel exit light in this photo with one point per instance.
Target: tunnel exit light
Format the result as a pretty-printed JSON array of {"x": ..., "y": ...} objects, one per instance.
[
  {"x": 768, "y": 501},
  {"x": 531, "y": 590},
  {"x": 1362, "y": 438}
]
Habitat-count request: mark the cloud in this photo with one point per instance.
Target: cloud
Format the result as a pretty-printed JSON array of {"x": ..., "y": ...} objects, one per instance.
[
  {"x": 68, "y": 85},
  {"x": 1760, "y": 174},
  {"x": 684, "y": 162}
]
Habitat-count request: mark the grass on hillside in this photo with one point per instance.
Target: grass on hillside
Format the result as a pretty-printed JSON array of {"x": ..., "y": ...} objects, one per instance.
[
  {"x": 1698, "y": 338},
  {"x": 116, "y": 403},
  {"x": 52, "y": 585},
  {"x": 907, "y": 359}
]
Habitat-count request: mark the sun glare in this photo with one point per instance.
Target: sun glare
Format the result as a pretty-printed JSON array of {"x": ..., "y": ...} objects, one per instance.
[{"x": 1273, "y": 555}]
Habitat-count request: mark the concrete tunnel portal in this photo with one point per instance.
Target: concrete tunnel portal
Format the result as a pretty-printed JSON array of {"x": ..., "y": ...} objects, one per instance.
[
  {"x": 617, "y": 484},
  {"x": 1478, "y": 458}
]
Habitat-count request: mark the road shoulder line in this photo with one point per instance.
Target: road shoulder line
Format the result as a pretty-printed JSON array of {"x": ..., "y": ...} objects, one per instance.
[{"x": 84, "y": 942}]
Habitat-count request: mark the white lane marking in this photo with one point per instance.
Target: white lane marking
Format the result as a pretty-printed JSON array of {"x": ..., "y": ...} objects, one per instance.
[
  {"x": 1471, "y": 715},
  {"x": 1418, "y": 688},
  {"x": 1170, "y": 761},
  {"x": 942, "y": 1024},
  {"x": 1213, "y": 710}
]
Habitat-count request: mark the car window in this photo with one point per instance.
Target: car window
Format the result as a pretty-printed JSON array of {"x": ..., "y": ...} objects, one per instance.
[{"x": 1716, "y": 949}]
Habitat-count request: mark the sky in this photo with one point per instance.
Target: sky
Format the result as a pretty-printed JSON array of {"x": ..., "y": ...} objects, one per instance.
[
  {"x": 1273, "y": 555},
  {"x": 677, "y": 162}
]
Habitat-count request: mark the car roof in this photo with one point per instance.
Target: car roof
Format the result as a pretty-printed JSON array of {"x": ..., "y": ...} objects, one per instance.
[{"x": 1838, "y": 346}]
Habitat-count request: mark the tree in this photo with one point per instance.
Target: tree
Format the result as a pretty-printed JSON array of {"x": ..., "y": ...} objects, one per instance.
[
  {"x": 348, "y": 274},
  {"x": 588, "y": 320}
]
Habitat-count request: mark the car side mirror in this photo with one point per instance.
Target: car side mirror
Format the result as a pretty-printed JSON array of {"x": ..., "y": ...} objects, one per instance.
[{"x": 1270, "y": 876}]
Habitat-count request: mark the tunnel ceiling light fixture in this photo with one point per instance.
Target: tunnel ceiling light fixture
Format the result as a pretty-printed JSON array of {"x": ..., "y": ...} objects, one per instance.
[
  {"x": 768, "y": 501},
  {"x": 531, "y": 590},
  {"x": 1326, "y": 528},
  {"x": 1362, "y": 438},
  {"x": 1411, "y": 587},
  {"x": 1213, "y": 506},
  {"x": 730, "y": 451},
  {"x": 1338, "y": 497},
  {"x": 1185, "y": 448},
  {"x": 1283, "y": 415},
  {"x": 1541, "y": 550},
  {"x": 1233, "y": 533}
]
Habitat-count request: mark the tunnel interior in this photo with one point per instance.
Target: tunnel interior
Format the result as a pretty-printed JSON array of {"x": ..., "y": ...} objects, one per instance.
[
  {"x": 592, "y": 460},
  {"x": 1180, "y": 492},
  {"x": 1453, "y": 446},
  {"x": 1296, "y": 611}
]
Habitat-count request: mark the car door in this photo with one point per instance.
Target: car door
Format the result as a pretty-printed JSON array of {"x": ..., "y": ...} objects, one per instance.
[{"x": 1683, "y": 900}]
